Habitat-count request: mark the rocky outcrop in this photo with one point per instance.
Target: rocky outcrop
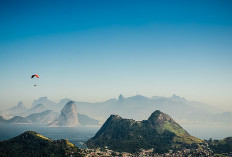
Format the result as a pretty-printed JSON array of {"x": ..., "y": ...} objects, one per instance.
[{"x": 68, "y": 117}]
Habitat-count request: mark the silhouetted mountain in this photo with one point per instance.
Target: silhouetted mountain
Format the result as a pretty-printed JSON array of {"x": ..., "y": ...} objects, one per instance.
[
  {"x": 50, "y": 105},
  {"x": 45, "y": 102},
  {"x": 19, "y": 120},
  {"x": 160, "y": 132},
  {"x": 46, "y": 117},
  {"x": 35, "y": 109},
  {"x": 121, "y": 99},
  {"x": 33, "y": 144},
  {"x": 85, "y": 120},
  {"x": 68, "y": 117},
  {"x": 19, "y": 108},
  {"x": 139, "y": 107}
]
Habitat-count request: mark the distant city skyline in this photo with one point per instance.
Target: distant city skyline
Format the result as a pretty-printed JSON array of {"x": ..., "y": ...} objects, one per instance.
[{"x": 97, "y": 50}]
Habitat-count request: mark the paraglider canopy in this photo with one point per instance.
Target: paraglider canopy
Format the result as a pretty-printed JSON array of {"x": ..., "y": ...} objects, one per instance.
[{"x": 35, "y": 76}]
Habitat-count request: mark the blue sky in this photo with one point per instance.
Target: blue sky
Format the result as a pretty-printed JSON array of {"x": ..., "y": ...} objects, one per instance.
[{"x": 95, "y": 50}]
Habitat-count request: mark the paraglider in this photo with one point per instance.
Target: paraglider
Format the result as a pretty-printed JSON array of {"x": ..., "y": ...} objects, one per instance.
[{"x": 35, "y": 75}]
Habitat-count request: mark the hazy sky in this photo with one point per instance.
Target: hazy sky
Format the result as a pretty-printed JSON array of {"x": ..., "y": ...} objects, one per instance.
[{"x": 95, "y": 50}]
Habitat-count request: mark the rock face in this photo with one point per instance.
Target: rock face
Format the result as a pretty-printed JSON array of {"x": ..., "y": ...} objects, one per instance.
[
  {"x": 68, "y": 117},
  {"x": 160, "y": 132}
]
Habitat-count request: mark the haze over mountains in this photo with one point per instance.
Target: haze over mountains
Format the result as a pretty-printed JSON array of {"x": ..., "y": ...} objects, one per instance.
[
  {"x": 38, "y": 114},
  {"x": 137, "y": 107}
]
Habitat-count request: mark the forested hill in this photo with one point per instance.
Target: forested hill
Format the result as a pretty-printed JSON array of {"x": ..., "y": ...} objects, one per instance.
[
  {"x": 160, "y": 132},
  {"x": 33, "y": 144}
]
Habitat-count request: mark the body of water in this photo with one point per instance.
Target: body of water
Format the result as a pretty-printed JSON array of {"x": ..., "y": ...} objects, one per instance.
[
  {"x": 209, "y": 131},
  {"x": 76, "y": 135},
  {"x": 79, "y": 135}
]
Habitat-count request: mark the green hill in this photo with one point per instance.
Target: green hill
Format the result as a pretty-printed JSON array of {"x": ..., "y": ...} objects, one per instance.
[
  {"x": 221, "y": 146},
  {"x": 160, "y": 132},
  {"x": 33, "y": 144}
]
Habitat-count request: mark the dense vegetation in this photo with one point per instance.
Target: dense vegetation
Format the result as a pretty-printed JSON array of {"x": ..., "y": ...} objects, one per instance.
[
  {"x": 33, "y": 144},
  {"x": 159, "y": 132},
  {"x": 221, "y": 146}
]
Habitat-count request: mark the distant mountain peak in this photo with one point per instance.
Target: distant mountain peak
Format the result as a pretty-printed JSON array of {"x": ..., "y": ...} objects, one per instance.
[
  {"x": 121, "y": 98},
  {"x": 43, "y": 98},
  {"x": 68, "y": 117},
  {"x": 176, "y": 97},
  {"x": 20, "y": 104}
]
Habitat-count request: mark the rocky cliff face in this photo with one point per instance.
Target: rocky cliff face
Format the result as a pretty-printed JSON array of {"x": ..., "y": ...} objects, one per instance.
[
  {"x": 160, "y": 132},
  {"x": 68, "y": 117}
]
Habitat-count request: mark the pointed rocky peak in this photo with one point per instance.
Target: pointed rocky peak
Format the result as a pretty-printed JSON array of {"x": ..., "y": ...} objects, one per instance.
[
  {"x": 19, "y": 108},
  {"x": 68, "y": 117},
  {"x": 20, "y": 104},
  {"x": 159, "y": 117},
  {"x": 114, "y": 117},
  {"x": 69, "y": 107},
  {"x": 121, "y": 99},
  {"x": 162, "y": 122}
]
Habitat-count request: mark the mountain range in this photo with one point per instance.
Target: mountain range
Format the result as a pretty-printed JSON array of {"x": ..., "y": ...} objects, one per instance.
[
  {"x": 137, "y": 107},
  {"x": 159, "y": 135},
  {"x": 39, "y": 115}
]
